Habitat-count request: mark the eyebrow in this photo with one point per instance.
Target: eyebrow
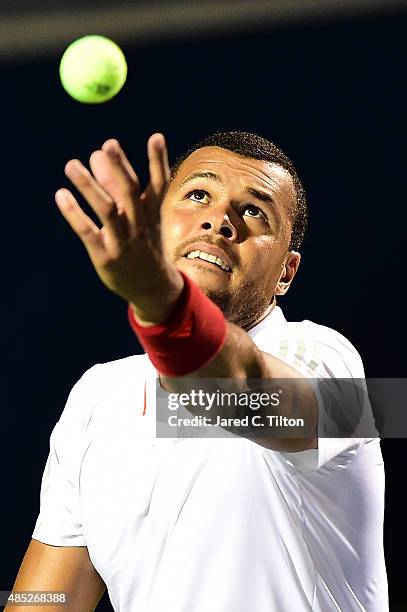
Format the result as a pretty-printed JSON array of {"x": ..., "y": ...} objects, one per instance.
[{"x": 259, "y": 195}]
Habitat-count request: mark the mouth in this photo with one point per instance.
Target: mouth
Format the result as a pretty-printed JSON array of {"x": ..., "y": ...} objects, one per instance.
[
  {"x": 211, "y": 254},
  {"x": 209, "y": 258}
]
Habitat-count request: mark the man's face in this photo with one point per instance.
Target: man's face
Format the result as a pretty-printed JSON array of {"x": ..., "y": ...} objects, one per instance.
[{"x": 239, "y": 208}]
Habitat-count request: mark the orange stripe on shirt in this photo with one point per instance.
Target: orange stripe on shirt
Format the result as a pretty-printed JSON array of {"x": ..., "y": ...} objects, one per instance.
[{"x": 145, "y": 398}]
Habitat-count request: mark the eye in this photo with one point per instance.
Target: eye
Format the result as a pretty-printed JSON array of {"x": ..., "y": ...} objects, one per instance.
[
  {"x": 199, "y": 194},
  {"x": 255, "y": 210}
]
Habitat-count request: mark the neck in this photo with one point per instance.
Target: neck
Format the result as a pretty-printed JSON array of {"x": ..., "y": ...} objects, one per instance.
[{"x": 261, "y": 317}]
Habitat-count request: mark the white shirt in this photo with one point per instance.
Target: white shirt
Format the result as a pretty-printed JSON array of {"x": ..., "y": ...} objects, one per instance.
[{"x": 217, "y": 525}]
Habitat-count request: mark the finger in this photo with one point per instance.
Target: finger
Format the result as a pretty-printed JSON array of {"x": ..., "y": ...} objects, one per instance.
[
  {"x": 159, "y": 167},
  {"x": 114, "y": 149},
  {"x": 82, "y": 225},
  {"x": 116, "y": 181},
  {"x": 97, "y": 198}
]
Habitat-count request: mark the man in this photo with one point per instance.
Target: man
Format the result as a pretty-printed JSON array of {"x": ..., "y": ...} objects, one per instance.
[{"x": 262, "y": 523}]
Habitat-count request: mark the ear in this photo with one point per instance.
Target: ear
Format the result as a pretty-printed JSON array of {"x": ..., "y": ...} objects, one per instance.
[{"x": 289, "y": 270}]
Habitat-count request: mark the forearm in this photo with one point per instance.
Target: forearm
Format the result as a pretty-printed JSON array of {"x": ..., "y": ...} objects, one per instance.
[
  {"x": 239, "y": 356},
  {"x": 236, "y": 366},
  {"x": 242, "y": 368}
]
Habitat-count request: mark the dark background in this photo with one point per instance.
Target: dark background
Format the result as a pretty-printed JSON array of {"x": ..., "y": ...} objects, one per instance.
[{"x": 332, "y": 95}]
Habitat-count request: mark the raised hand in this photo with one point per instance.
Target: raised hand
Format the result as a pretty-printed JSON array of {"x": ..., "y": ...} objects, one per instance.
[{"x": 126, "y": 251}]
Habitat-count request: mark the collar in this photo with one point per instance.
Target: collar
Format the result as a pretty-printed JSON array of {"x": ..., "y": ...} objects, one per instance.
[{"x": 273, "y": 321}]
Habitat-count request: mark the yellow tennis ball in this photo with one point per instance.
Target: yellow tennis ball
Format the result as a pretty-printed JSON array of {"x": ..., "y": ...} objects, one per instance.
[{"x": 93, "y": 69}]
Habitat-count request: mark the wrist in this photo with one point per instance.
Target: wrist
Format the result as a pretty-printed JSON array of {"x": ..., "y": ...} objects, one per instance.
[
  {"x": 191, "y": 337},
  {"x": 158, "y": 302}
]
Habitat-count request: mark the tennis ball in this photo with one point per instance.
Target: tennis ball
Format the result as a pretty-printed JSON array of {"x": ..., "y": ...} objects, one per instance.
[{"x": 93, "y": 69}]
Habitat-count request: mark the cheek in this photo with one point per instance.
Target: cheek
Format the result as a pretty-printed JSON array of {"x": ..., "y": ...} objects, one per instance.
[
  {"x": 263, "y": 260},
  {"x": 175, "y": 228},
  {"x": 175, "y": 224}
]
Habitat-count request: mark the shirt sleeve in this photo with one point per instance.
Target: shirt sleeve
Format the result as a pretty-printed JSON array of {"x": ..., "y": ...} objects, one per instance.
[
  {"x": 336, "y": 373},
  {"x": 59, "y": 522}
]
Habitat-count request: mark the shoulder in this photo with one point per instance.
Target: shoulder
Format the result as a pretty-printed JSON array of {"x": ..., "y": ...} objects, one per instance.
[
  {"x": 98, "y": 384},
  {"x": 323, "y": 336},
  {"x": 327, "y": 352},
  {"x": 104, "y": 375},
  {"x": 316, "y": 350}
]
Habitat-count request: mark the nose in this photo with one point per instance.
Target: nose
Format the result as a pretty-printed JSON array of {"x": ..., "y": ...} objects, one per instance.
[{"x": 219, "y": 222}]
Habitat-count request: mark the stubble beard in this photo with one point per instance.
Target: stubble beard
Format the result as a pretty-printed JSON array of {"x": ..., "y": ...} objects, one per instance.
[{"x": 244, "y": 306}]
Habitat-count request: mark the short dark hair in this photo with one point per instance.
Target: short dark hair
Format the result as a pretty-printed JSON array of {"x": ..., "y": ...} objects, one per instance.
[{"x": 252, "y": 145}]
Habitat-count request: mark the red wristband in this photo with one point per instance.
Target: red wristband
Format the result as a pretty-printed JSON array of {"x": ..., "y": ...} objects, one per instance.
[{"x": 191, "y": 337}]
